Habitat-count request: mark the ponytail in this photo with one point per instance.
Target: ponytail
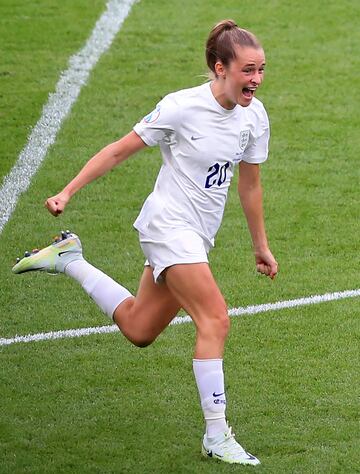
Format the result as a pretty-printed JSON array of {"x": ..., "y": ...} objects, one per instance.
[{"x": 222, "y": 41}]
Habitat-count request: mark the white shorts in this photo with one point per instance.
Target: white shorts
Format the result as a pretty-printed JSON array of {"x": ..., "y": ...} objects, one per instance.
[{"x": 184, "y": 246}]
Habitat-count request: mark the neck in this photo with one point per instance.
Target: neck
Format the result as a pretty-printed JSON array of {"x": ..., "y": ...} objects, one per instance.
[{"x": 218, "y": 91}]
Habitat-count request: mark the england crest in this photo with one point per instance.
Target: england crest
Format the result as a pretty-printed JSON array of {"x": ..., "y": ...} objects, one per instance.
[{"x": 244, "y": 139}]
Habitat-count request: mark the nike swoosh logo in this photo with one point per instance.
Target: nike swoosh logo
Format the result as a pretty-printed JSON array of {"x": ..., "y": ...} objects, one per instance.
[
  {"x": 218, "y": 394},
  {"x": 62, "y": 253},
  {"x": 196, "y": 138},
  {"x": 250, "y": 456},
  {"x": 208, "y": 452}
]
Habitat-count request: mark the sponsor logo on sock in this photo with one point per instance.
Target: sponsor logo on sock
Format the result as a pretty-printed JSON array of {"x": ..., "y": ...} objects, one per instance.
[
  {"x": 215, "y": 395},
  {"x": 219, "y": 401}
]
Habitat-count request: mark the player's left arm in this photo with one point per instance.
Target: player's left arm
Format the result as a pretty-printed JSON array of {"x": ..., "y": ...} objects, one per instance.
[{"x": 250, "y": 193}]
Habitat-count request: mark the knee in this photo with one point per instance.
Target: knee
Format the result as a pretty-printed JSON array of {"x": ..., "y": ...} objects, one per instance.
[
  {"x": 216, "y": 326},
  {"x": 138, "y": 334},
  {"x": 137, "y": 337},
  {"x": 223, "y": 325},
  {"x": 140, "y": 341}
]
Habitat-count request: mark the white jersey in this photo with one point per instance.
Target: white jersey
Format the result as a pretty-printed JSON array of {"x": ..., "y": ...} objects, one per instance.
[{"x": 200, "y": 142}]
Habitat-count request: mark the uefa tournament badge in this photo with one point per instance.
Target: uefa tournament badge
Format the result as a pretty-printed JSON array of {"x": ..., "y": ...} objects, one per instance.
[{"x": 152, "y": 116}]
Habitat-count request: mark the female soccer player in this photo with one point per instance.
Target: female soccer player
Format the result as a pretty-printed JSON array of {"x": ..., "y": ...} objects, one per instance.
[{"x": 203, "y": 133}]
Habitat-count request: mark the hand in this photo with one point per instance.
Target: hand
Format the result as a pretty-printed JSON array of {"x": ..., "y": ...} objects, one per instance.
[
  {"x": 56, "y": 204},
  {"x": 266, "y": 263}
]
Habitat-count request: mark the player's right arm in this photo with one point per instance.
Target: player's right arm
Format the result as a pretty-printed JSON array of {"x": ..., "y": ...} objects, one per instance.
[{"x": 107, "y": 158}]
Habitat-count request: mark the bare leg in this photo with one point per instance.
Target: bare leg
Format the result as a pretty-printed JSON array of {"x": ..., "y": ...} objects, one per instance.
[
  {"x": 197, "y": 292},
  {"x": 143, "y": 318},
  {"x": 191, "y": 286},
  {"x": 194, "y": 287}
]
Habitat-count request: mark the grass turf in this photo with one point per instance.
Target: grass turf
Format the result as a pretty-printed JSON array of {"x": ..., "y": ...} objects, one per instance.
[{"x": 99, "y": 405}]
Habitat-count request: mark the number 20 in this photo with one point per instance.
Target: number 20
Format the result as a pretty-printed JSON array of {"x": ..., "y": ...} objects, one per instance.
[{"x": 217, "y": 175}]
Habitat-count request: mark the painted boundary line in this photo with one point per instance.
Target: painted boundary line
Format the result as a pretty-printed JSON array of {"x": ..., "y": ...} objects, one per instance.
[
  {"x": 59, "y": 105},
  {"x": 248, "y": 310}
]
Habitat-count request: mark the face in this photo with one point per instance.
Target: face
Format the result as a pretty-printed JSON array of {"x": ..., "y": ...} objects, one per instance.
[{"x": 241, "y": 78}]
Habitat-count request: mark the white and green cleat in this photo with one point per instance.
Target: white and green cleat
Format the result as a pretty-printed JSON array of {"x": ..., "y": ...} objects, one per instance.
[
  {"x": 54, "y": 258},
  {"x": 224, "y": 447}
]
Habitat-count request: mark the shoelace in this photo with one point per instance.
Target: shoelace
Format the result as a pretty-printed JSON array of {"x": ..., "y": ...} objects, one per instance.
[{"x": 230, "y": 444}]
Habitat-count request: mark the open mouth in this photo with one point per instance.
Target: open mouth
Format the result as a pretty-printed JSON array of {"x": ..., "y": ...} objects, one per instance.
[{"x": 248, "y": 93}]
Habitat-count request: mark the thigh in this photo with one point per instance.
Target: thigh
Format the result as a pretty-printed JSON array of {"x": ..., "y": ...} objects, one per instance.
[
  {"x": 195, "y": 288},
  {"x": 148, "y": 314}
]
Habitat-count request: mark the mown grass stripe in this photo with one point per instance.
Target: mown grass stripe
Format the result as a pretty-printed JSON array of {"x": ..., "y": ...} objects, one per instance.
[
  {"x": 248, "y": 310},
  {"x": 59, "y": 105}
]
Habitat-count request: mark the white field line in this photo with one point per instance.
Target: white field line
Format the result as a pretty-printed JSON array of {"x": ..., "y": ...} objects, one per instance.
[
  {"x": 249, "y": 310},
  {"x": 59, "y": 105}
]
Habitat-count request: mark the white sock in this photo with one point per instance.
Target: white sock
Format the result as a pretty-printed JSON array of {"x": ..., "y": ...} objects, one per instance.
[
  {"x": 209, "y": 378},
  {"x": 106, "y": 292}
]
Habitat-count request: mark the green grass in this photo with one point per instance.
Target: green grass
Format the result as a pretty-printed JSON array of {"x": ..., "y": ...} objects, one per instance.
[
  {"x": 36, "y": 41},
  {"x": 97, "y": 404},
  {"x": 106, "y": 406}
]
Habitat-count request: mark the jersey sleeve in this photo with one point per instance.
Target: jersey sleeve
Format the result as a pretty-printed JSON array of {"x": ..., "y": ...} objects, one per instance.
[
  {"x": 159, "y": 124},
  {"x": 257, "y": 149}
]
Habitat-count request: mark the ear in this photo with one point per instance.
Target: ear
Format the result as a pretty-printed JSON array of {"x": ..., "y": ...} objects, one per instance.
[{"x": 219, "y": 69}]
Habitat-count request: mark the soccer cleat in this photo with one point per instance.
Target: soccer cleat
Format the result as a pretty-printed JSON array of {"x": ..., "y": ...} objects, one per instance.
[
  {"x": 52, "y": 259},
  {"x": 225, "y": 448}
]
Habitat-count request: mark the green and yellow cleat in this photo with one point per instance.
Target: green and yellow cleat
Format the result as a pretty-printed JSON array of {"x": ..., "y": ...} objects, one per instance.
[{"x": 54, "y": 258}]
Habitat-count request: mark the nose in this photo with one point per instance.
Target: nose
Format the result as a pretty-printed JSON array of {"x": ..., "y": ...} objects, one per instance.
[{"x": 256, "y": 78}]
